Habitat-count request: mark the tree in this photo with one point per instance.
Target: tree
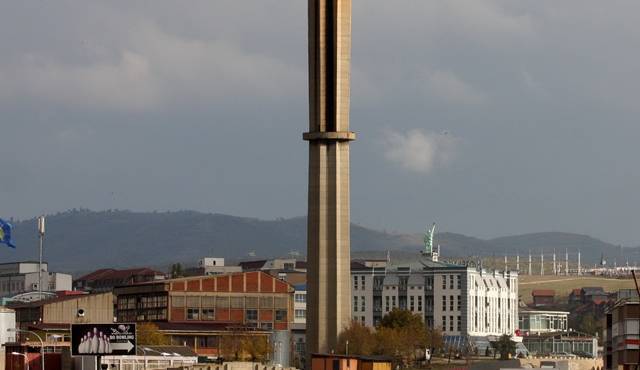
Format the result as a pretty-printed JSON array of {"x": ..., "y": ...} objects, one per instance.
[
  {"x": 361, "y": 338},
  {"x": 148, "y": 333},
  {"x": 401, "y": 333},
  {"x": 505, "y": 346},
  {"x": 257, "y": 347},
  {"x": 176, "y": 270},
  {"x": 398, "y": 318}
]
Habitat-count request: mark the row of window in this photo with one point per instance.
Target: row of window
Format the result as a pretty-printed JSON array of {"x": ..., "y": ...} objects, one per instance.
[
  {"x": 452, "y": 279},
  {"x": 362, "y": 283},
  {"x": 452, "y": 300},
  {"x": 300, "y": 298},
  {"x": 268, "y": 302},
  {"x": 451, "y": 322},
  {"x": 355, "y": 303}
]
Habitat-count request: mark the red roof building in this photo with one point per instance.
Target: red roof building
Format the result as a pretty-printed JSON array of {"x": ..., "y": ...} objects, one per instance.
[
  {"x": 198, "y": 311},
  {"x": 104, "y": 280},
  {"x": 543, "y": 297}
]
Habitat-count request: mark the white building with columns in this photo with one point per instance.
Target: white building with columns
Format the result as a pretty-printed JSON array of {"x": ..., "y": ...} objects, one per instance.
[{"x": 465, "y": 302}]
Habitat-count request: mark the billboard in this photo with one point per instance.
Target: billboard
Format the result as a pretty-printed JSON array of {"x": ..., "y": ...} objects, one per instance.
[{"x": 103, "y": 339}]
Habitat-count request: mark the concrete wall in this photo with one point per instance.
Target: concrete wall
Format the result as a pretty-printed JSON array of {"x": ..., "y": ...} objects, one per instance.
[{"x": 98, "y": 308}]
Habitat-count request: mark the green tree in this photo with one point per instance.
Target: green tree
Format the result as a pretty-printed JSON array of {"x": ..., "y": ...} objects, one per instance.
[
  {"x": 148, "y": 333},
  {"x": 361, "y": 338},
  {"x": 176, "y": 270},
  {"x": 402, "y": 332},
  {"x": 258, "y": 348},
  {"x": 505, "y": 346}
]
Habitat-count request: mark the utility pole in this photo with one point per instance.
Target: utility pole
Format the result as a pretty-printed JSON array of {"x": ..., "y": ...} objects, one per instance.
[
  {"x": 555, "y": 271},
  {"x": 41, "y": 237},
  {"x": 518, "y": 263},
  {"x": 529, "y": 262},
  {"x": 542, "y": 262},
  {"x": 579, "y": 266},
  {"x": 566, "y": 262}
]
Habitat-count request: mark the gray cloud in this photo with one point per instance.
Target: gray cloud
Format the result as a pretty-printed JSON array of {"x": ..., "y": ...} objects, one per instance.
[{"x": 166, "y": 105}]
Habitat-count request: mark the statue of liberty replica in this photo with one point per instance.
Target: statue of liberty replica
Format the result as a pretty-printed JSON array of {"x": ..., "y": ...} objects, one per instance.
[{"x": 429, "y": 251}]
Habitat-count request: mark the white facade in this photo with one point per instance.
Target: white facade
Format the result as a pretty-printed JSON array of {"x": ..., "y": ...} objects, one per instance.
[
  {"x": 7, "y": 321},
  {"x": 20, "y": 277},
  {"x": 459, "y": 300}
]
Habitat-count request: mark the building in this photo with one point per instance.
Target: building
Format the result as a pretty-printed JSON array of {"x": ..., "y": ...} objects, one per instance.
[
  {"x": 152, "y": 357},
  {"x": 105, "y": 280},
  {"x": 346, "y": 362},
  {"x": 211, "y": 266},
  {"x": 7, "y": 323},
  {"x": 561, "y": 343},
  {"x": 22, "y": 277},
  {"x": 531, "y": 322},
  {"x": 621, "y": 337},
  {"x": 595, "y": 295},
  {"x": 299, "y": 326},
  {"x": 290, "y": 270},
  {"x": 464, "y": 302},
  {"x": 543, "y": 297},
  {"x": 200, "y": 311}
]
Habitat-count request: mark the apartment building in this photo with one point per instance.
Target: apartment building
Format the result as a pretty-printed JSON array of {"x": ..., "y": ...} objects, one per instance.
[{"x": 462, "y": 301}]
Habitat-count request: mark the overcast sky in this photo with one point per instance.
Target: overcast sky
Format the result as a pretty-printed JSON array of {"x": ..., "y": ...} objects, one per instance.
[{"x": 489, "y": 117}]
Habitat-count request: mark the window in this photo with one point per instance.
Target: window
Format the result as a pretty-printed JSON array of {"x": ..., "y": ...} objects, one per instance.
[
  {"x": 281, "y": 315},
  {"x": 301, "y": 298},
  {"x": 459, "y": 323},
  {"x": 444, "y": 281},
  {"x": 450, "y": 323},
  {"x": 193, "y": 313},
  {"x": 444, "y": 323},
  {"x": 386, "y": 301},
  {"x": 362, "y": 282},
  {"x": 362, "y": 320},
  {"x": 444, "y": 303},
  {"x": 208, "y": 314},
  {"x": 177, "y": 301},
  {"x": 393, "y": 301},
  {"x": 411, "y": 303},
  {"x": 266, "y": 326},
  {"x": 251, "y": 315},
  {"x": 451, "y": 281},
  {"x": 419, "y": 303},
  {"x": 450, "y": 303},
  {"x": 459, "y": 303},
  {"x": 355, "y": 303},
  {"x": 459, "y": 281},
  {"x": 355, "y": 283},
  {"x": 301, "y": 314},
  {"x": 362, "y": 302}
]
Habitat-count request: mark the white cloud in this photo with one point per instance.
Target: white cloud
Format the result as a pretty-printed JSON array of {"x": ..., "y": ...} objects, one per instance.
[{"x": 418, "y": 150}]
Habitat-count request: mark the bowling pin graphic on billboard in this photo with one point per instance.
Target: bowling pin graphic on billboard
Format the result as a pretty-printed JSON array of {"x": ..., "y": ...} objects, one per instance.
[{"x": 103, "y": 339}]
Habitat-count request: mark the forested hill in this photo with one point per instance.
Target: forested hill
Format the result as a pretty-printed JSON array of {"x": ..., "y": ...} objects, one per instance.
[{"x": 82, "y": 240}]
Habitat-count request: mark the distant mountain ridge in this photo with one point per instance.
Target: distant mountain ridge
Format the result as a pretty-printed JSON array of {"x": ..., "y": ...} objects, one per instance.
[{"x": 83, "y": 240}]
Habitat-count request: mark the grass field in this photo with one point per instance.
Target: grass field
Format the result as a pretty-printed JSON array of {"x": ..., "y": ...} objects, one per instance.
[{"x": 564, "y": 284}]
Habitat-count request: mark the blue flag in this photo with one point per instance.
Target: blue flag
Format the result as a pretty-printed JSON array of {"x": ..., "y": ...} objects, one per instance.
[{"x": 5, "y": 233}]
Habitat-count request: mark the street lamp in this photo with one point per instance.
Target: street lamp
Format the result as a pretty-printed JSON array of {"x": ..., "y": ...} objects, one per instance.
[
  {"x": 15, "y": 330},
  {"x": 26, "y": 360}
]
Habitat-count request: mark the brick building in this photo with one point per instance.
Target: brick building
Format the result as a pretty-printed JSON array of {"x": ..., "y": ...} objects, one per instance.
[
  {"x": 198, "y": 311},
  {"x": 543, "y": 297}
]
